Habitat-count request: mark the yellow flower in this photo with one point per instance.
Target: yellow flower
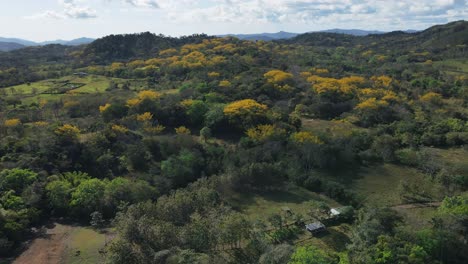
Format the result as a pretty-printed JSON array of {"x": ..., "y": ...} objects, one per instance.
[
  {"x": 119, "y": 129},
  {"x": 213, "y": 74},
  {"x": 431, "y": 97},
  {"x": 133, "y": 102},
  {"x": 242, "y": 106},
  {"x": 41, "y": 124},
  {"x": 277, "y": 76},
  {"x": 306, "y": 137},
  {"x": 145, "y": 117},
  {"x": 224, "y": 83},
  {"x": 186, "y": 103},
  {"x": 103, "y": 108},
  {"x": 68, "y": 130},
  {"x": 182, "y": 131},
  {"x": 148, "y": 94},
  {"x": 155, "y": 130},
  {"x": 372, "y": 104},
  {"x": 12, "y": 122}
]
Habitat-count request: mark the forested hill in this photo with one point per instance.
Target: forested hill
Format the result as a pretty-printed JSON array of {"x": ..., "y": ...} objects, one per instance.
[
  {"x": 8, "y": 46},
  {"x": 436, "y": 38},
  {"x": 132, "y": 46},
  {"x": 220, "y": 150}
]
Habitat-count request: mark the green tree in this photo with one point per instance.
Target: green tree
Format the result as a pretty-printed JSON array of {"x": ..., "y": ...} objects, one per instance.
[
  {"x": 59, "y": 194},
  {"x": 88, "y": 196},
  {"x": 183, "y": 168},
  {"x": 16, "y": 179},
  {"x": 310, "y": 255}
]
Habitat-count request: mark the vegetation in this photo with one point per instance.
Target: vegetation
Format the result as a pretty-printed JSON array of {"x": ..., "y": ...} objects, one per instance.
[{"x": 208, "y": 150}]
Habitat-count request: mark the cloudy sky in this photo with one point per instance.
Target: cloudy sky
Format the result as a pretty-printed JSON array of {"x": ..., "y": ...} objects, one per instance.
[{"x": 68, "y": 19}]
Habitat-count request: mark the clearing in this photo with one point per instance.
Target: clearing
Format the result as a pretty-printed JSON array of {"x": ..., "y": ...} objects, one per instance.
[{"x": 66, "y": 244}]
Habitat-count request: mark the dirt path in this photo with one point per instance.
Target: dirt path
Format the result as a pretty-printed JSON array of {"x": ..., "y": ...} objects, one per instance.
[
  {"x": 417, "y": 205},
  {"x": 48, "y": 249}
]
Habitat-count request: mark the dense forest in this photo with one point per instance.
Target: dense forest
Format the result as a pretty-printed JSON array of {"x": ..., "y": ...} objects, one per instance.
[{"x": 169, "y": 144}]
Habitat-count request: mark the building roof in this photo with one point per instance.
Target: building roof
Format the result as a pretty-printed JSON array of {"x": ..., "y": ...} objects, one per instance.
[
  {"x": 315, "y": 226},
  {"x": 334, "y": 211}
]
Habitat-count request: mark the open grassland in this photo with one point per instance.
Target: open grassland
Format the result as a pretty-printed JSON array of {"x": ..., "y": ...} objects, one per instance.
[
  {"x": 379, "y": 185},
  {"x": 454, "y": 158},
  {"x": 65, "y": 244},
  {"x": 259, "y": 206},
  {"x": 84, "y": 245},
  {"x": 54, "y": 89},
  {"x": 334, "y": 239},
  {"x": 455, "y": 66}
]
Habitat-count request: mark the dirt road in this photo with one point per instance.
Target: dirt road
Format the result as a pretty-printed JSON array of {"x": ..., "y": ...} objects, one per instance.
[{"x": 48, "y": 249}]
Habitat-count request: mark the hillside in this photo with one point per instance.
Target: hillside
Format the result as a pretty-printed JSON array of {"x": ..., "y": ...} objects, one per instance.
[
  {"x": 440, "y": 38},
  {"x": 9, "y": 46},
  {"x": 323, "y": 148}
]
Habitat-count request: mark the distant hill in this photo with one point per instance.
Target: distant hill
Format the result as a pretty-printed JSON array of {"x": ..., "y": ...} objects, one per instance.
[
  {"x": 9, "y": 46},
  {"x": 289, "y": 35},
  {"x": 129, "y": 46},
  {"x": 74, "y": 42},
  {"x": 354, "y": 32},
  {"x": 263, "y": 36},
  {"x": 19, "y": 41},
  {"x": 27, "y": 43},
  {"x": 438, "y": 39}
]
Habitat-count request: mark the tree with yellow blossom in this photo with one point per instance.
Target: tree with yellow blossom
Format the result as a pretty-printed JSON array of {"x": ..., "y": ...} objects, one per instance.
[
  {"x": 280, "y": 80},
  {"x": 264, "y": 132},
  {"x": 245, "y": 113},
  {"x": 182, "y": 130},
  {"x": 306, "y": 137},
  {"x": 68, "y": 131}
]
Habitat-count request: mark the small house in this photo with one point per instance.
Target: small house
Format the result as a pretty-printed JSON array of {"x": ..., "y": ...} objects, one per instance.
[
  {"x": 315, "y": 227},
  {"x": 80, "y": 74},
  {"x": 345, "y": 212}
]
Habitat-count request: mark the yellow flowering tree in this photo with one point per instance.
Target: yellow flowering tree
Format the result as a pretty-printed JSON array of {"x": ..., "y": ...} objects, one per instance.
[
  {"x": 382, "y": 81},
  {"x": 280, "y": 80},
  {"x": 142, "y": 96},
  {"x": 68, "y": 131},
  {"x": 145, "y": 117},
  {"x": 14, "y": 122},
  {"x": 155, "y": 130},
  {"x": 103, "y": 108},
  {"x": 119, "y": 129},
  {"x": 431, "y": 97},
  {"x": 224, "y": 83},
  {"x": 182, "y": 131},
  {"x": 305, "y": 137},
  {"x": 245, "y": 113},
  {"x": 264, "y": 132},
  {"x": 371, "y": 104}
]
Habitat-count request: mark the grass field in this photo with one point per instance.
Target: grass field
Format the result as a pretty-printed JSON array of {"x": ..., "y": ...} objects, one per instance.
[
  {"x": 378, "y": 185},
  {"x": 259, "y": 206},
  {"x": 454, "y": 158},
  {"x": 34, "y": 92},
  {"x": 65, "y": 244},
  {"x": 83, "y": 246},
  {"x": 456, "y": 67}
]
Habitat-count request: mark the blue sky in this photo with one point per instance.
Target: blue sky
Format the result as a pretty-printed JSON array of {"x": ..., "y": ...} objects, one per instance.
[{"x": 68, "y": 19}]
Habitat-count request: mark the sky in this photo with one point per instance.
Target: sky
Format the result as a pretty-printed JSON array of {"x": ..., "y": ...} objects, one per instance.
[{"x": 41, "y": 20}]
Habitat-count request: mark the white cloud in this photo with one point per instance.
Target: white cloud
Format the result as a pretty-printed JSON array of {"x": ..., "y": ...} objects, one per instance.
[
  {"x": 143, "y": 3},
  {"x": 319, "y": 13},
  {"x": 363, "y": 13},
  {"x": 70, "y": 9}
]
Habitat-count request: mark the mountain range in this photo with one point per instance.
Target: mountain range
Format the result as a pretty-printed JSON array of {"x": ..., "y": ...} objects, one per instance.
[
  {"x": 9, "y": 44},
  {"x": 288, "y": 35}
]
